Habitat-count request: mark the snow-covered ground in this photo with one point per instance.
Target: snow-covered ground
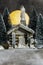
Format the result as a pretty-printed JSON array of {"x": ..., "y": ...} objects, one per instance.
[
  {"x": 1, "y": 48},
  {"x": 21, "y": 57}
]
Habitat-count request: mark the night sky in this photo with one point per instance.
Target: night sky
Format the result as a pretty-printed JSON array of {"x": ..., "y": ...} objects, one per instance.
[{"x": 28, "y": 4}]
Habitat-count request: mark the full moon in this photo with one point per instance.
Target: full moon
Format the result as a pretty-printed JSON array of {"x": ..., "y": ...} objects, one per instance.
[{"x": 15, "y": 17}]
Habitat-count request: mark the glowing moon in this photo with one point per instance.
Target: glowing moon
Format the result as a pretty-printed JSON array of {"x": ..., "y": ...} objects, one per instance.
[{"x": 15, "y": 17}]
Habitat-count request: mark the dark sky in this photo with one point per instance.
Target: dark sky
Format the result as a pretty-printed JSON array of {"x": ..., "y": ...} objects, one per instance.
[{"x": 28, "y": 4}]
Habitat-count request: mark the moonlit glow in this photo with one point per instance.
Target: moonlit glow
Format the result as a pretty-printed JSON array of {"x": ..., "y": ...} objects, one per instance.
[{"x": 15, "y": 17}]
